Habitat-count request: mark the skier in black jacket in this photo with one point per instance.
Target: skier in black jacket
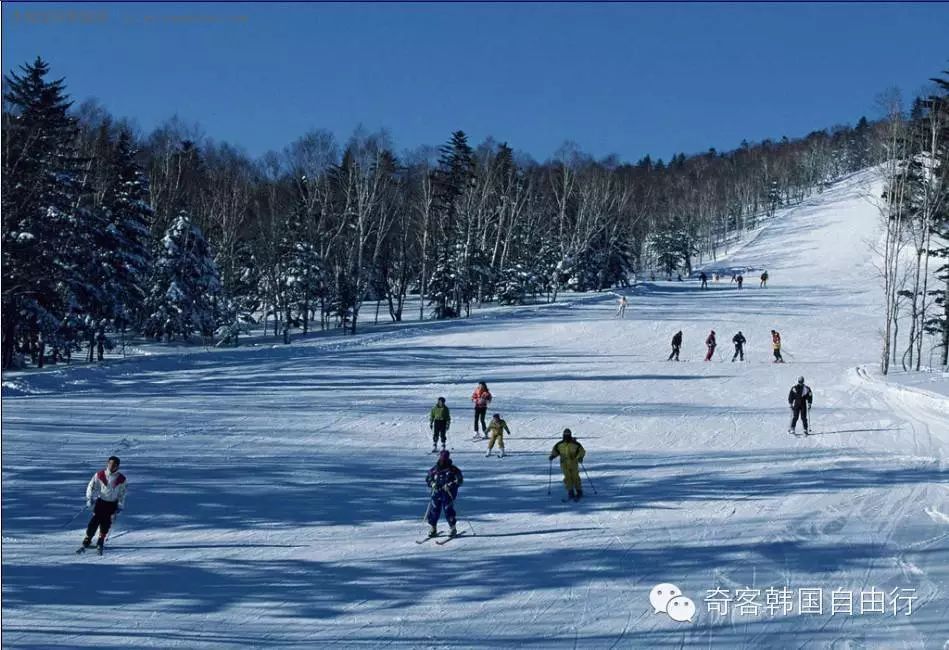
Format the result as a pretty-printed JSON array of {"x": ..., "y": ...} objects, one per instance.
[
  {"x": 800, "y": 399},
  {"x": 739, "y": 341},
  {"x": 676, "y": 345}
]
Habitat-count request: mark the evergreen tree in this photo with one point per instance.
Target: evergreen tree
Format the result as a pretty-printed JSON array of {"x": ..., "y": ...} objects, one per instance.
[
  {"x": 185, "y": 291},
  {"x": 128, "y": 218},
  {"x": 47, "y": 267},
  {"x": 672, "y": 247}
]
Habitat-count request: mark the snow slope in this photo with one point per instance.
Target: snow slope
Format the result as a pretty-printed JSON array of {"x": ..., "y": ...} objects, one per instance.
[{"x": 275, "y": 494}]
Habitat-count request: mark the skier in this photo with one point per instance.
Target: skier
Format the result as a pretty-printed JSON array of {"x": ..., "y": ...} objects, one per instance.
[
  {"x": 571, "y": 454},
  {"x": 776, "y": 346},
  {"x": 676, "y": 345},
  {"x": 439, "y": 419},
  {"x": 443, "y": 479},
  {"x": 800, "y": 399},
  {"x": 739, "y": 341},
  {"x": 764, "y": 279},
  {"x": 105, "y": 496},
  {"x": 704, "y": 279},
  {"x": 497, "y": 429},
  {"x": 710, "y": 342},
  {"x": 623, "y": 303},
  {"x": 740, "y": 280},
  {"x": 481, "y": 398}
]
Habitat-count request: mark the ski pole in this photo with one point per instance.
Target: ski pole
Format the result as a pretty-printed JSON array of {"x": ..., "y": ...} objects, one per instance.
[
  {"x": 75, "y": 516},
  {"x": 429, "y": 508},
  {"x": 550, "y": 474},
  {"x": 590, "y": 480}
]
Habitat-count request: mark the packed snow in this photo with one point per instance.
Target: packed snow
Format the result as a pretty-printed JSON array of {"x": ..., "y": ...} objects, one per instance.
[{"x": 276, "y": 492}]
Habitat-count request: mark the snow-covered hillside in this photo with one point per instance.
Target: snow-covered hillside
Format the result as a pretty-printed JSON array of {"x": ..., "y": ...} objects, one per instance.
[{"x": 275, "y": 495}]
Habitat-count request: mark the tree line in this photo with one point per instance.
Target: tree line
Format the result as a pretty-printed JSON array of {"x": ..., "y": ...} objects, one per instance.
[
  {"x": 108, "y": 232},
  {"x": 914, "y": 209}
]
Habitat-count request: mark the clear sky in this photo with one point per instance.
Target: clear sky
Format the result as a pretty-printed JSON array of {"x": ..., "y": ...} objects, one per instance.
[{"x": 628, "y": 79}]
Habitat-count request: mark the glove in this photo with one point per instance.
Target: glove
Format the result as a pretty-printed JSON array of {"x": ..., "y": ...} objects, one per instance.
[
  {"x": 89, "y": 504},
  {"x": 552, "y": 457},
  {"x": 431, "y": 425}
]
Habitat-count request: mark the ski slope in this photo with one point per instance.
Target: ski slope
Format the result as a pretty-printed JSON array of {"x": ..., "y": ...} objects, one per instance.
[{"x": 275, "y": 495}]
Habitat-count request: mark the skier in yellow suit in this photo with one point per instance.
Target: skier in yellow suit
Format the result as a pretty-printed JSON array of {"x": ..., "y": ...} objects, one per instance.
[
  {"x": 571, "y": 454},
  {"x": 496, "y": 429}
]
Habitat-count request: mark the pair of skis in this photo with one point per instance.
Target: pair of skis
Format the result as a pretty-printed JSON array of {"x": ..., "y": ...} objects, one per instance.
[
  {"x": 440, "y": 542},
  {"x": 82, "y": 549}
]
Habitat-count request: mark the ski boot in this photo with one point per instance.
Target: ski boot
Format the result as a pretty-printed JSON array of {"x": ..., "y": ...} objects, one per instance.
[
  {"x": 86, "y": 542},
  {"x": 100, "y": 545},
  {"x": 432, "y": 531},
  {"x": 571, "y": 495},
  {"x": 488, "y": 454},
  {"x": 435, "y": 448},
  {"x": 579, "y": 494},
  {"x": 453, "y": 532},
  {"x": 502, "y": 453}
]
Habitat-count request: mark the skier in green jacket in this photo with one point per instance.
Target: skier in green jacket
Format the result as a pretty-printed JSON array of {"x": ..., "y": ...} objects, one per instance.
[{"x": 439, "y": 419}]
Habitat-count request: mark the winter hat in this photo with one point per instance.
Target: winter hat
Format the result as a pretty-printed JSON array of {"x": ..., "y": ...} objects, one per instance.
[
  {"x": 497, "y": 416},
  {"x": 567, "y": 434},
  {"x": 800, "y": 380},
  {"x": 444, "y": 457},
  {"x": 441, "y": 399}
]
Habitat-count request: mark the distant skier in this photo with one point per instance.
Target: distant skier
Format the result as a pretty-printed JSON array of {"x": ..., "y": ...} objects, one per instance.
[
  {"x": 740, "y": 280},
  {"x": 710, "y": 342},
  {"x": 776, "y": 346},
  {"x": 799, "y": 399},
  {"x": 571, "y": 454},
  {"x": 739, "y": 341},
  {"x": 676, "y": 346},
  {"x": 105, "y": 496},
  {"x": 481, "y": 398},
  {"x": 439, "y": 420},
  {"x": 497, "y": 428},
  {"x": 443, "y": 479},
  {"x": 764, "y": 279},
  {"x": 623, "y": 303},
  {"x": 704, "y": 279}
]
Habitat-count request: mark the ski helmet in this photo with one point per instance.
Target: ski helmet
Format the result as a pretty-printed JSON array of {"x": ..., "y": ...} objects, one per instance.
[
  {"x": 497, "y": 416},
  {"x": 567, "y": 434},
  {"x": 444, "y": 456},
  {"x": 800, "y": 380}
]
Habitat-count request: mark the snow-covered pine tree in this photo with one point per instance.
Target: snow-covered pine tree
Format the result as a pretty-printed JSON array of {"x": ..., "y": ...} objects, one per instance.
[
  {"x": 128, "y": 215},
  {"x": 442, "y": 287},
  {"x": 185, "y": 293},
  {"x": 452, "y": 179},
  {"x": 303, "y": 282},
  {"x": 47, "y": 272},
  {"x": 243, "y": 300}
]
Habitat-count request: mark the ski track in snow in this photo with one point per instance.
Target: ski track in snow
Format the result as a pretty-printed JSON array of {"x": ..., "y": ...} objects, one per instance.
[{"x": 275, "y": 493}]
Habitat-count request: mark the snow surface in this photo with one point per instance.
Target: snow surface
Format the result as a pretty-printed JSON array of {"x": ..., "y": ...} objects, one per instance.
[{"x": 276, "y": 493}]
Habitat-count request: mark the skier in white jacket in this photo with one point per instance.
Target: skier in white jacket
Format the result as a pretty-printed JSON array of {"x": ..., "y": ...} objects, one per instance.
[{"x": 105, "y": 496}]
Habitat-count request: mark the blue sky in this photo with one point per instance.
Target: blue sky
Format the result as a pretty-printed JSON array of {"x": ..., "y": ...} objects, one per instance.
[{"x": 628, "y": 79}]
